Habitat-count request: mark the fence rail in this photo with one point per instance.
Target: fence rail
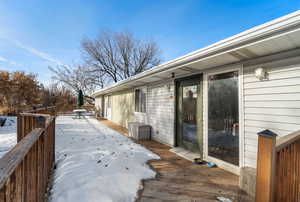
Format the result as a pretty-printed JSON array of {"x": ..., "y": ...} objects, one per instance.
[
  {"x": 25, "y": 170},
  {"x": 278, "y": 168},
  {"x": 43, "y": 110},
  {"x": 54, "y": 110}
]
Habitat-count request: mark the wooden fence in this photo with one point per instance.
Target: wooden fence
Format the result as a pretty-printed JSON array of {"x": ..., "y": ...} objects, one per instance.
[
  {"x": 43, "y": 110},
  {"x": 278, "y": 168},
  {"x": 54, "y": 110},
  {"x": 25, "y": 170}
]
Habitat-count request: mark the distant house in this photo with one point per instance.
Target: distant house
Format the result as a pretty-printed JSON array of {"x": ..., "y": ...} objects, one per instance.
[{"x": 215, "y": 100}]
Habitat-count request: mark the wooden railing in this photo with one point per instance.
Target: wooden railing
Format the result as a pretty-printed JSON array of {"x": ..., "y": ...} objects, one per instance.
[
  {"x": 25, "y": 170},
  {"x": 278, "y": 168},
  {"x": 43, "y": 110}
]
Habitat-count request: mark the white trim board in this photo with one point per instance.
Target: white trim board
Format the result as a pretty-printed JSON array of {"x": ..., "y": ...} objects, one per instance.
[{"x": 220, "y": 163}]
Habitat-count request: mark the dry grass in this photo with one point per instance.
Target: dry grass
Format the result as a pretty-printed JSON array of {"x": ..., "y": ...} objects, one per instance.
[{"x": 4, "y": 110}]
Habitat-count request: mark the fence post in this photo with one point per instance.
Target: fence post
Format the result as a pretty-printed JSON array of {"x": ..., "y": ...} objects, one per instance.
[
  {"x": 19, "y": 128},
  {"x": 40, "y": 122},
  {"x": 53, "y": 135},
  {"x": 266, "y": 158},
  {"x": 25, "y": 124}
]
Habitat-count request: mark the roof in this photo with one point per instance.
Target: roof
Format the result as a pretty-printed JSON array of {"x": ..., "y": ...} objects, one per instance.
[{"x": 272, "y": 37}]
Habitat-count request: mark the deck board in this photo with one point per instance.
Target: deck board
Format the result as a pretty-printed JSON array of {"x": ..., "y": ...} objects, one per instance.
[{"x": 179, "y": 180}]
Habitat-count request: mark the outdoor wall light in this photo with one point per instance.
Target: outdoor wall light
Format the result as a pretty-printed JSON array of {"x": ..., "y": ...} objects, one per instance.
[{"x": 260, "y": 73}]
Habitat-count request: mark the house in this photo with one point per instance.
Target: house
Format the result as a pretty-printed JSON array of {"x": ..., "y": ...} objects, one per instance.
[{"x": 215, "y": 100}]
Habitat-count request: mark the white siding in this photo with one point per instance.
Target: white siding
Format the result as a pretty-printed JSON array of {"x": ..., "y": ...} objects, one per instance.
[
  {"x": 98, "y": 103},
  {"x": 272, "y": 104},
  {"x": 160, "y": 112}
]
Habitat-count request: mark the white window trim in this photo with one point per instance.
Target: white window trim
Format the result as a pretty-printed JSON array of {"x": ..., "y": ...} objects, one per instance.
[{"x": 225, "y": 165}]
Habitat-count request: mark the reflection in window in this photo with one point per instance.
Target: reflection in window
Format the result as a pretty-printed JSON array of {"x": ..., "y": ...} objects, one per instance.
[
  {"x": 109, "y": 101},
  {"x": 189, "y": 110},
  {"x": 140, "y": 100},
  {"x": 223, "y": 117}
]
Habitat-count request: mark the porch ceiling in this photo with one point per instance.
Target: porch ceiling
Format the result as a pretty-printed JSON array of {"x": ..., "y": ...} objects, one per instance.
[{"x": 282, "y": 34}]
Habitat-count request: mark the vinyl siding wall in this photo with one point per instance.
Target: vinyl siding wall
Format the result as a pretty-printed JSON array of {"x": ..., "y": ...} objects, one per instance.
[
  {"x": 272, "y": 104},
  {"x": 160, "y": 112},
  {"x": 122, "y": 107},
  {"x": 98, "y": 103}
]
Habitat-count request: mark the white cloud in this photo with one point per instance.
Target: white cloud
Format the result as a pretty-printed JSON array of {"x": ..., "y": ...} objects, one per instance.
[
  {"x": 33, "y": 51},
  {"x": 2, "y": 59},
  {"x": 37, "y": 53},
  {"x": 14, "y": 63}
]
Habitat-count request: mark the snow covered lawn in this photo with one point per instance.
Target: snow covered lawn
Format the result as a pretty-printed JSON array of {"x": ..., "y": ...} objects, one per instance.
[
  {"x": 96, "y": 164},
  {"x": 8, "y": 135}
]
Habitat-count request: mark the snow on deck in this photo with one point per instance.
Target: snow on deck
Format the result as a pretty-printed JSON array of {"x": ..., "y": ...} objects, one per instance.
[
  {"x": 8, "y": 135},
  {"x": 96, "y": 164}
]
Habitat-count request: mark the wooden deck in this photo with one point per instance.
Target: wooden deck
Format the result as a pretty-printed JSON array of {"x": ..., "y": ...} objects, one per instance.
[{"x": 180, "y": 180}]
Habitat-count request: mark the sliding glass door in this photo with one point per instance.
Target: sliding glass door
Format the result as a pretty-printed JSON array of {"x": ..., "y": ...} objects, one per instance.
[
  {"x": 189, "y": 114},
  {"x": 223, "y": 117}
]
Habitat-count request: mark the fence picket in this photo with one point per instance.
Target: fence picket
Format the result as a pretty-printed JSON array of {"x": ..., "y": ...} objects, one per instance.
[
  {"x": 286, "y": 167},
  {"x": 25, "y": 170}
]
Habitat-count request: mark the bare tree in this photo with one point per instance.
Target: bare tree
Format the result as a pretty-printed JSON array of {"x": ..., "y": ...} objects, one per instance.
[
  {"x": 118, "y": 55},
  {"x": 77, "y": 78},
  {"x": 55, "y": 94}
]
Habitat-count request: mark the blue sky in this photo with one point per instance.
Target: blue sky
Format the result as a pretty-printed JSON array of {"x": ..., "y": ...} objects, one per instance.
[{"x": 35, "y": 34}]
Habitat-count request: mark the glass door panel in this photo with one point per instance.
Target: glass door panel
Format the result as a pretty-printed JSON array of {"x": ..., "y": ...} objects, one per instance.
[
  {"x": 223, "y": 117},
  {"x": 189, "y": 113}
]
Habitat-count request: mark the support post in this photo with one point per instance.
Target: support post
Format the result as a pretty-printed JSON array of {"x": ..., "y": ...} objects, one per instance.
[
  {"x": 53, "y": 135},
  {"x": 40, "y": 122},
  {"x": 25, "y": 124},
  {"x": 266, "y": 157},
  {"x": 19, "y": 128}
]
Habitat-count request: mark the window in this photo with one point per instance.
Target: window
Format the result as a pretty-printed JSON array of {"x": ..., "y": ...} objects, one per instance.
[
  {"x": 109, "y": 101},
  {"x": 140, "y": 101},
  {"x": 223, "y": 117}
]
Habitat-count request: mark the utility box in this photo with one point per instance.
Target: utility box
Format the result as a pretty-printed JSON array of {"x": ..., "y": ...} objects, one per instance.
[{"x": 139, "y": 131}]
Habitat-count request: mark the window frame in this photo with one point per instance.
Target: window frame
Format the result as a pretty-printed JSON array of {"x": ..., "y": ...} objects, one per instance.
[
  {"x": 224, "y": 69},
  {"x": 108, "y": 101},
  {"x": 140, "y": 107}
]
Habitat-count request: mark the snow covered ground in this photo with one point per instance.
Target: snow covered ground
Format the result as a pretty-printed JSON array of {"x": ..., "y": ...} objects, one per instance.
[
  {"x": 8, "y": 135},
  {"x": 96, "y": 164}
]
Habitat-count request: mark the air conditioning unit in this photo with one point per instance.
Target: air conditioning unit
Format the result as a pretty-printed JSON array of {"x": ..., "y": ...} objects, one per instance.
[{"x": 139, "y": 131}]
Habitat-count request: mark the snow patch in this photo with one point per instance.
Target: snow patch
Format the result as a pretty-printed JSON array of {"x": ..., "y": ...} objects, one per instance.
[
  {"x": 95, "y": 163},
  {"x": 8, "y": 134}
]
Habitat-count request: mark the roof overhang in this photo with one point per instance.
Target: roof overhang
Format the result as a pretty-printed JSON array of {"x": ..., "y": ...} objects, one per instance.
[{"x": 279, "y": 35}]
